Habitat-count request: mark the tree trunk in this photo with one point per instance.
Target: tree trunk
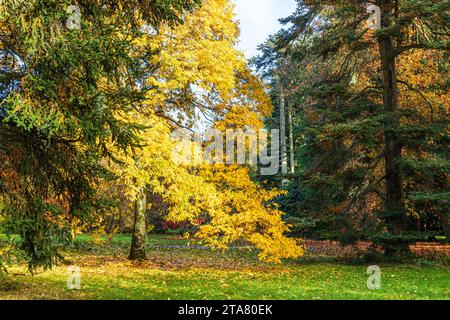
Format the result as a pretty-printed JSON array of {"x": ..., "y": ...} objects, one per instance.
[
  {"x": 393, "y": 150},
  {"x": 283, "y": 129},
  {"x": 137, "y": 251},
  {"x": 444, "y": 218},
  {"x": 291, "y": 141}
]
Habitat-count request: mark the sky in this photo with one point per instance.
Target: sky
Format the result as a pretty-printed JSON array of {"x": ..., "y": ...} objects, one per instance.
[{"x": 259, "y": 19}]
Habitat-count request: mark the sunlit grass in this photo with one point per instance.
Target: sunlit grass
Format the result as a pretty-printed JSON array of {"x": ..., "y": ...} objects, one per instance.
[{"x": 186, "y": 273}]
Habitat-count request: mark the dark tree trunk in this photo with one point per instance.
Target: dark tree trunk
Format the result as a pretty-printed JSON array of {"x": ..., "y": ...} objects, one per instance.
[
  {"x": 137, "y": 251},
  {"x": 444, "y": 218},
  {"x": 393, "y": 150}
]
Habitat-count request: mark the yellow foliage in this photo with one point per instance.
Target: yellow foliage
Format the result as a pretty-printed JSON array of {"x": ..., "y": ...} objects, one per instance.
[
  {"x": 200, "y": 52},
  {"x": 196, "y": 60},
  {"x": 418, "y": 72},
  {"x": 245, "y": 213}
]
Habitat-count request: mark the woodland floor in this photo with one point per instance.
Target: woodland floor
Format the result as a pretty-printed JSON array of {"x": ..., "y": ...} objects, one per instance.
[{"x": 177, "y": 269}]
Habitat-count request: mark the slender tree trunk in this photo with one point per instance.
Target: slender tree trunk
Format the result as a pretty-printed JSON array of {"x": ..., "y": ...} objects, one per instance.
[
  {"x": 283, "y": 129},
  {"x": 137, "y": 251},
  {"x": 393, "y": 149},
  {"x": 291, "y": 141}
]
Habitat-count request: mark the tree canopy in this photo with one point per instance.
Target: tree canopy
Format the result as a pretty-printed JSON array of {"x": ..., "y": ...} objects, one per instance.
[{"x": 372, "y": 127}]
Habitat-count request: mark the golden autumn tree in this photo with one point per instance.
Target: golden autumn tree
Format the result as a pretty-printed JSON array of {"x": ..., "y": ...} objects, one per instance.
[{"x": 200, "y": 73}]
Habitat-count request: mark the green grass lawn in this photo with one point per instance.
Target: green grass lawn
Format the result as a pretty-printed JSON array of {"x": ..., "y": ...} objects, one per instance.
[{"x": 176, "y": 271}]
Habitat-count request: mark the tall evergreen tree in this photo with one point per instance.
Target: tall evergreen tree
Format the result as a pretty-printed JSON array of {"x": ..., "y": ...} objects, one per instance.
[
  {"x": 62, "y": 86},
  {"x": 359, "y": 132}
]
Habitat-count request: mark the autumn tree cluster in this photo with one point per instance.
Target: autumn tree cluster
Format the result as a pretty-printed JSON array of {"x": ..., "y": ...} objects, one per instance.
[
  {"x": 86, "y": 116},
  {"x": 366, "y": 93}
]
